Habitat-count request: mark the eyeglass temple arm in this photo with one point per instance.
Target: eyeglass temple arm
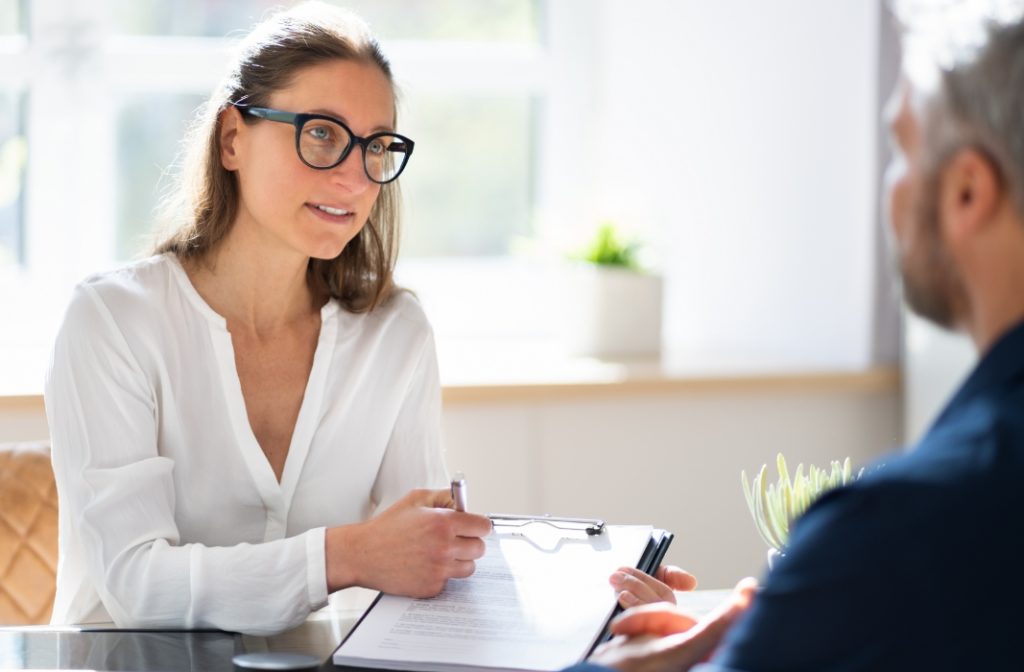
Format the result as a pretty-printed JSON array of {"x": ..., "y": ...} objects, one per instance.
[{"x": 266, "y": 113}]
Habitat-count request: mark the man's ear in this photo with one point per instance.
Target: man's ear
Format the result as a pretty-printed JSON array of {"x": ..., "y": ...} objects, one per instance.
[
  {"x": 972, "y": 192},
  {"x": 231, "y": 125}
]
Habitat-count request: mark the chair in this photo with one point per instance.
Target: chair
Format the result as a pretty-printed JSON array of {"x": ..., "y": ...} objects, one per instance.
[{"x": 28, "y": 534}]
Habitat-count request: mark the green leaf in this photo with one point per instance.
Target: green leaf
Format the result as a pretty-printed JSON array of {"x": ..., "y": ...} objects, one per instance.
[
  {"x": 747, "y": 493},
  {"x": 775, "y": 506},
  {"x": 608, "y": 249}
]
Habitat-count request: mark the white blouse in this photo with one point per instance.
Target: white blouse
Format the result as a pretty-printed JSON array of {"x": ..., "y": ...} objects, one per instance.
[{"x": 170, "y": 514}]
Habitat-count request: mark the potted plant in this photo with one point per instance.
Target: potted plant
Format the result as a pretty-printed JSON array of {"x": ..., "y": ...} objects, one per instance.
[
  {"x": 613, "y": 305},
  {"x": 775, "y": 506}
]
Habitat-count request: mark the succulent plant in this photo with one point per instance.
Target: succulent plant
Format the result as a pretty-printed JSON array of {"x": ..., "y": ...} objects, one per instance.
[
  {"x": 775, "y": 506},
  {"x": 609, "y": 249}
]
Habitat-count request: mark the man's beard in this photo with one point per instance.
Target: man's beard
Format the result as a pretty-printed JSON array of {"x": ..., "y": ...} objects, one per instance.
[{"x": 931, "y": 282}]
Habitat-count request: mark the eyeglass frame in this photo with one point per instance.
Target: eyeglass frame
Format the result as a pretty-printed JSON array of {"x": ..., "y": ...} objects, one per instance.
[{"x": 300, "y": 119}]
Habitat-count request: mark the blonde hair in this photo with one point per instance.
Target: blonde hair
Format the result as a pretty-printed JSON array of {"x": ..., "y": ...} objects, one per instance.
[{"x": 205, "y": 202}]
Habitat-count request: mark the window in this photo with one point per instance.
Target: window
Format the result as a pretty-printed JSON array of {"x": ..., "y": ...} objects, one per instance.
[
  {"x": 444, "y": 20},
  {"x": 528, "y": 116},
  {"x": 10, "y": 18},
  {"x": 149, "y": 129},
  {"x": 472, "y": 82},
  {"x": 468, "y": 191},
  {"x": 13, "y": 155},
  {"x": 95, "y": 99},
  {"x": 13, "y": 149}
]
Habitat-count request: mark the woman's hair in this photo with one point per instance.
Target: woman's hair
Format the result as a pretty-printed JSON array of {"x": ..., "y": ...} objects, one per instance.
[{"x": 205, "y": 202}]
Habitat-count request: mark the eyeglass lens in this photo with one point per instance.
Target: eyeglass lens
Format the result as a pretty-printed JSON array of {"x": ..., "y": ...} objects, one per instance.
[{"x": 321, "y": 142}]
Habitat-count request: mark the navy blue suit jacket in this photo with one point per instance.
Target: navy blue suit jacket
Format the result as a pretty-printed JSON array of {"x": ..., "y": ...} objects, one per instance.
[{"x": 918, "y": 565}]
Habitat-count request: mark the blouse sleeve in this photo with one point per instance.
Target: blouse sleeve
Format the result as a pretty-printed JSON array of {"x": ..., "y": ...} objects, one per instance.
[
  {"x": 117, "y": 493},
  {"x": 413, "y": 457}
]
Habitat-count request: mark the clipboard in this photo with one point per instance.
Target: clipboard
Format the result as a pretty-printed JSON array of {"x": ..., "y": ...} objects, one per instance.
[
  {"x": 649, "y": 563},
  {"x": 590, "y": 526},
  {"x": 556, "y": 574}
]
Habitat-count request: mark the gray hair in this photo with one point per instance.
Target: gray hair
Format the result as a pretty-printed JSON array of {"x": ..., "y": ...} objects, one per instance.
[{"x": 976, "y": 94}]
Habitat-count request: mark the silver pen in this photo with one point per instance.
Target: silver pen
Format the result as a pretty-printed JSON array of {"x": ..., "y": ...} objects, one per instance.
[{"x": 459, "y": 491}]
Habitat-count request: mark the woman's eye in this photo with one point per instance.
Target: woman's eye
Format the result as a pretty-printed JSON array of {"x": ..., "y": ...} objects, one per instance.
[
  {"x": 320, "y": 133},
  {"x": 375, "y": 147}
]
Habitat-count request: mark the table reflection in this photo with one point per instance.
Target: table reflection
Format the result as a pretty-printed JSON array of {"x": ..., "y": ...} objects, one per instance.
[
  {"x": 105, "y": 648},
  {"x": 76, "y": 650}
]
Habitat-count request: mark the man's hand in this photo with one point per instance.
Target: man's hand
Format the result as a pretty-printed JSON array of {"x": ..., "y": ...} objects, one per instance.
[
  {"x": 635, "y": 587},
  {"x": 658, "y": 637},
  {"x": 411, "y": 549}
]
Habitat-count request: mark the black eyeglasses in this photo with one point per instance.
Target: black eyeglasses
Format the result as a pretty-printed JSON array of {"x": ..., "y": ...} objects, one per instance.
[{"x": 323, "y": 142}]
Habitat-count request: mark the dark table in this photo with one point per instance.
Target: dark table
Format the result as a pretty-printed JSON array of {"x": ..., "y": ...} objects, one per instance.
[{"x": 101, "y": 647}]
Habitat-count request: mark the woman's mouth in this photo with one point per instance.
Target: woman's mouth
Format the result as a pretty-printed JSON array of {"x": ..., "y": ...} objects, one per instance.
[{"x": 331, "y": 214}]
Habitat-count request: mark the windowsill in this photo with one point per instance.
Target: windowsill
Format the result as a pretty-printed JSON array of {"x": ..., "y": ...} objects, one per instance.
[
  {"x": 489, "y": 371},
  {"x": 24, "y": 367},
  {"x": 509, "y": 371}
]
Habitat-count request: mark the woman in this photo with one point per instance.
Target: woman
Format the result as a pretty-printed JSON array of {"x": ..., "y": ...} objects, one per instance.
[{"x": 228, "y": 414}]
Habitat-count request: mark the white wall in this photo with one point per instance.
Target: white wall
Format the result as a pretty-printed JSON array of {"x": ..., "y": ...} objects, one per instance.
[
  {"x": 935, "y": 363},
  {"x": 742, "y": 135},
  {"x": 22, "y": 419},
  {"x": 672, "y": 461}
]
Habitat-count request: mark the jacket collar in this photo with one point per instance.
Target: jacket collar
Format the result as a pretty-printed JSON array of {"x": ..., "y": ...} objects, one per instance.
[{"x": 1003, "y": 363}]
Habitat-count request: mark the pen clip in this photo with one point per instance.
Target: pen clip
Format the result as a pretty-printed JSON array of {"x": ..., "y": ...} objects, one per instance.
[
  {"x": 592, "y": 526},
  {"x": 459, "y": 495}
]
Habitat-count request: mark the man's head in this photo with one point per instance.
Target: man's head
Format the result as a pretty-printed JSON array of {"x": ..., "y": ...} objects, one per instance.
[{"x": 956, "y": 181}]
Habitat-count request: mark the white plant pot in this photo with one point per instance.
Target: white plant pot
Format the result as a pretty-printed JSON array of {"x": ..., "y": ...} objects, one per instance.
[{"x": 611, "y": 312}]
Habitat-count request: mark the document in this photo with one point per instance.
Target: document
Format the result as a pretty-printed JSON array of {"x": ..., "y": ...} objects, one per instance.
[{"x": 538, "y": 601}]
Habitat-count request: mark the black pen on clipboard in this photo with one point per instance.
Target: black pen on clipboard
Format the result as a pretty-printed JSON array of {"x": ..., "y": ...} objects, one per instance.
[{"x": 459, "y": 495}]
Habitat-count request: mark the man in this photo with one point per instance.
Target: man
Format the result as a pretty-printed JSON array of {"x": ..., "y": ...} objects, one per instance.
[{"x": 913, "y": 567}]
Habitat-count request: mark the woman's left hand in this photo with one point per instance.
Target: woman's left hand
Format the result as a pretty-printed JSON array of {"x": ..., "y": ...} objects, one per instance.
[{"x": 635, "y": 587}]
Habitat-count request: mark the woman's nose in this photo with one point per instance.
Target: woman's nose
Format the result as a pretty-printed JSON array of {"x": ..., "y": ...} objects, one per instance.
[{"x": 350, "y": 173}]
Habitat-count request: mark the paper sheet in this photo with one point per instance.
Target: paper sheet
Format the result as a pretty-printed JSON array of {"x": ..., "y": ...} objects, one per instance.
[{"x": 537, "y": 601}]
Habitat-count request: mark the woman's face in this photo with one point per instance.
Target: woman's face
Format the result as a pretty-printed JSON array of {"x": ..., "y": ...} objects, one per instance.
[{"x": 283, "y": 201}]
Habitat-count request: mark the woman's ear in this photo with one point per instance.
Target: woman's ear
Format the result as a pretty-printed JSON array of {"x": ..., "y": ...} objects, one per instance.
[{"x": 230, "y": 126}]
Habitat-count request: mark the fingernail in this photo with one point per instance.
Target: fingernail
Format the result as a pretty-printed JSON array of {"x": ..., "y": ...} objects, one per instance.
[
  {"x": 617, "y": 578},
  {"x": 628, "y": 598}
]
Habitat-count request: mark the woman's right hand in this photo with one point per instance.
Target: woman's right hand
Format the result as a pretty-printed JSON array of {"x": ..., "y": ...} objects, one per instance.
[{"x": 412, "y": 548}]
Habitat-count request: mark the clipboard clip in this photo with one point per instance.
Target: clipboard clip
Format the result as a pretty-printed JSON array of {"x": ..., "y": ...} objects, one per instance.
[{"x": 592, "y": 526}]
